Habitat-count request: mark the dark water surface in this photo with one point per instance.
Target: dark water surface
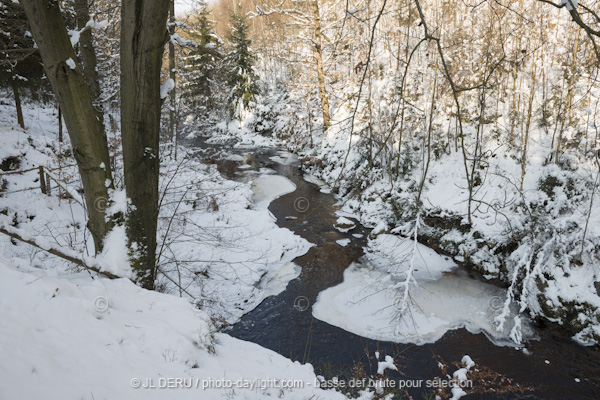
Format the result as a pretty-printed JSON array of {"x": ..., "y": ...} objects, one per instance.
[{"x": 284, "y": 323}]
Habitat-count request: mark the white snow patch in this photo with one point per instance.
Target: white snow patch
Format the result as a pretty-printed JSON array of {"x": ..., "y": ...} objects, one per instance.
[
  {"x": 391, "y": 253},
  {"x": 269, "y": 187},
  {"x": 343, "y": 242},
  {"x": 468, "y": 361},
  {"x": 118, "y": 202},
  {"x": 276, "y": 281},
  {"x": 235, "y": 157},
  {"x": 284, "y": 158},
  {"x": 457, "y": 393},
  {"x": 387, "y": 364},
  {"x": 71, "y": 63},
  {"x": 74, "y": 37},
  {"x": 114, "y": 257},
  {"x": 343, "y": 224},
  {"x": 166, "y": 88},
  {"x": 324, "y": 188},
  {"x": 97, "y": 24},
  {"x": 176, "y": 39}
]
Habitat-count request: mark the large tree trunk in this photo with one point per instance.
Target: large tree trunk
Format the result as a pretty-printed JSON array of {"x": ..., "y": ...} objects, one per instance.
[
  {"x": 143, "y": 37},
  {"x": 88, "y": 55},
  {"x": 320, "y": 67},
  {"x": 86, "y": 132}
]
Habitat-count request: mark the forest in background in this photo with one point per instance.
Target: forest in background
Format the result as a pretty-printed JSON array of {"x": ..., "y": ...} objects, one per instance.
[{"x": 471, "y": 125}]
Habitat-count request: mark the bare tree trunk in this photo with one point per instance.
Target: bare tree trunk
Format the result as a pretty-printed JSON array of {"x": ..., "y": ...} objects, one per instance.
[
  {"x": 87, "y": 136},
  {"x": 143, "y": 37},
  {"x": 370, "y": 108},
  {"x": 18, "y": 105},
  {"x": 513, "y": 111},
  {"x": 88, "y": 56},
  {"x": 568, "y": 101},
  {"x": 172, "y": 114},
  {"x": 426, "y": 162},
  {"x": 320, "y": 68},
  {"x": 528, "y": 125},
  {"x": 407, "y": 58}
]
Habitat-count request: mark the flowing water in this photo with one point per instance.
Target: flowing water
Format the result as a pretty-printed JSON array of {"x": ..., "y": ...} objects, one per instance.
[{"x": 284, "y": 323}]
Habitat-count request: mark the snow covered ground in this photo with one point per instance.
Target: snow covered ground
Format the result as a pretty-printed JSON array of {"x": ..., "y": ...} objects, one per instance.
[
  {"x": 216, "y": 238},
  {"x": 242, "y": 135},
  {"x": 74, "y": 337},
  {"x": 67, "y": 334},
  {"x": 223, "y": 244}
]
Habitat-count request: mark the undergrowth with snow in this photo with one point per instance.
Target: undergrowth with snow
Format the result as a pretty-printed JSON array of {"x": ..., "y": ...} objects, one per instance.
[{"x": 540, "y": 236}]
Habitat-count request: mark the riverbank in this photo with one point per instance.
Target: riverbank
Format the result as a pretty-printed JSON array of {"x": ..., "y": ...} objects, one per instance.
[
  {"x": 287, "y": 323},
  {"x": 529, "y": 240}
]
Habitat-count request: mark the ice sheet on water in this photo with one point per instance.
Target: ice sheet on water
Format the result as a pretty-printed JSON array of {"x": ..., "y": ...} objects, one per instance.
[
  {"x": 269, "y": 187},
  {"x": 284, "y": 158},
  {"x": 446, "y": 298}
]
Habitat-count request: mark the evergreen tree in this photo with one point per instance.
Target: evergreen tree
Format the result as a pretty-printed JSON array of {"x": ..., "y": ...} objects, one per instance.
[
  {"x": 239, "y": 64},
  {"x": 201, "y": 63}
]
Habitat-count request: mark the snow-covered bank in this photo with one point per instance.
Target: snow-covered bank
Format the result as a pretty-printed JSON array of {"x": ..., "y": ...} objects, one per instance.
[
  {"x": 370, "y": 302},
  {"x": 534, "y": 226},
  {"x": 222, "y": 243},
  {"x": 216, "y": 240},
  {"x": 441, "y": 299},
  {"x": 69, "y": 334},
  {"x": 74, "y": 337}
]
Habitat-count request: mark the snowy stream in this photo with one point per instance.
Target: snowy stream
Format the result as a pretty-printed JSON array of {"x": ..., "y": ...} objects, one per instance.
[{"x": 336, "y": 314}]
